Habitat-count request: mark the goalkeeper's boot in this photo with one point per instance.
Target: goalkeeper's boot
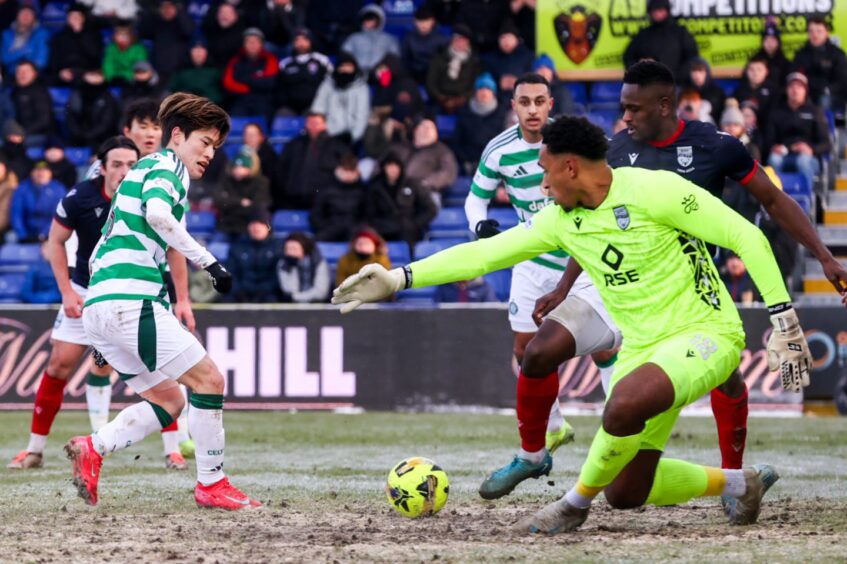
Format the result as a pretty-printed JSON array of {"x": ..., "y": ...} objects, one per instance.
[
  {"x": 759, "y": 479},
  {"x": 563, "y": 436},
  {"x": 503, "y": 480},
  {"x": 186, "y": 448},
  {"x": 86, "y": 463},
  {"x": 25, "y": 460},
  {"x": 222, "y": 495},
  {"x": 175, "y": 461},
  {"x": 557, "y": 517},
  {"x": 729, "y": 502}
]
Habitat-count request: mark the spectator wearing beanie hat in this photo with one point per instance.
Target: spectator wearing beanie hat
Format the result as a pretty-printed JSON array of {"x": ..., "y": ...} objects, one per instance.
[
  {"x": 366, "y": 247},
  {"x": 250, "y": 77},
  {"x": 63, "y": 170},
  {"x": 771, "y": 52},
  {"x": 453, "y": 71},
  {"x": 421, "y": 43},
  {"x": 664, "y": 40},
  {"x": 199, "y": 76},
  {"x": 300, "y": 75},
  {"x": 477, "y": 123},
  {"x": 241, "y": 192},
  {"x": 510, "y": 60},
  {"x": 343, "y": 97},
  {"x": 562, "y": 98},
  {"x": 13, "y": 151}
]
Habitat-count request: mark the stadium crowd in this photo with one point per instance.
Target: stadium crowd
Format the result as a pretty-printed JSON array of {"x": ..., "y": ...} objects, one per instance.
[{"x": 354, "y": 132}]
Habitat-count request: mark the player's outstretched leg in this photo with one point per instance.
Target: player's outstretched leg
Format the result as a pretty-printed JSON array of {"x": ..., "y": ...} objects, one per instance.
[
  {"x": 729, "y": 406},
  {"x": 205, "y": 418}
]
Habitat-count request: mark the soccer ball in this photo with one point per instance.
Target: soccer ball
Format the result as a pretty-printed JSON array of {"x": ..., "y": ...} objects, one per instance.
[{"x": 417, "y": 487}]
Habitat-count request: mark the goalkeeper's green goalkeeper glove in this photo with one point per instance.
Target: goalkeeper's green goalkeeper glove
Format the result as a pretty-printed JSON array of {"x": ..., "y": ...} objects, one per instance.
[
  {"x": 788, "y": 351},
  {"x": 371, "y": 284}
]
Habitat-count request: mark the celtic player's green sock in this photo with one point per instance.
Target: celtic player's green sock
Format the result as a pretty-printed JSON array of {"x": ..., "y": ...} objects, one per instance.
[
  {"x": 606, "y": 458},
  {"x": 677, "y": 481}
]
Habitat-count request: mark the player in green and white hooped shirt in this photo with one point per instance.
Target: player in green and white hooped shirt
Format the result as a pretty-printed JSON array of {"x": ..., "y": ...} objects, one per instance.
[
  {"x": 511, "y": 158},
  {"x": 683, "y": 334},
  {"x": 126, "y": 314}
]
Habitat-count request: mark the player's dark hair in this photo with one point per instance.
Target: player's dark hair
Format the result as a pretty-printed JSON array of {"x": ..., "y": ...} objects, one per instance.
[
  {"x": 116, "y": 142},
  {"x": 531, "y": 78},
  {"x": 141, "y": 109},
  {"x": 191, "y": 113},
  {"x": 575, "y": 135},
  {"x": 647, "y": 72}
]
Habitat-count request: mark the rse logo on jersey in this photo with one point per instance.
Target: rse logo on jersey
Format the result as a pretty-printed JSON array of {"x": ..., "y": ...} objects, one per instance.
[{"x": 614, "y": 258}]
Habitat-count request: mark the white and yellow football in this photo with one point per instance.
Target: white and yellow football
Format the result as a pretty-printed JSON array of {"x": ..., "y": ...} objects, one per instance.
[{"x": 417, "y": 487}]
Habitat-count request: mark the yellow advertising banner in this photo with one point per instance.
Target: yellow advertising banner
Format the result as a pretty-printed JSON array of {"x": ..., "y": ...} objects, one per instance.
[{"x": 587, "y": 38}]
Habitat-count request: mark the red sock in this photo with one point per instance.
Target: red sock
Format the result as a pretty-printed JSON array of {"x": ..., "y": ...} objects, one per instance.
[
  {"x": 48, "y": 402},
  {"x": 731, "y": 418},
  {"x": 535, "y": 398},
  {"x": 172, "y": 427}
]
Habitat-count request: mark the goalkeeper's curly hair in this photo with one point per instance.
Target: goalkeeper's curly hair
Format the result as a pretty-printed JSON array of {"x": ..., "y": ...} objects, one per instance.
[
  {"x": 575, "y": 135},
  {"x": 191, "y": 113}
]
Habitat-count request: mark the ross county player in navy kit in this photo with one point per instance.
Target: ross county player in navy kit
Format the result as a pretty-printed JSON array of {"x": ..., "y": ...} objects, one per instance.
[
  {"x": 83, "y": 210},
  {"x": 657, "y": 139}
]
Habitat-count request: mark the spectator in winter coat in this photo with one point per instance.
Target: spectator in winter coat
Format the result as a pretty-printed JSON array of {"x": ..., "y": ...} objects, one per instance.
[
  {"x": 74, "y": 49},
  {"x": 300, "y": 75},
  {"x": 371, "y": 44},
  {"x": 478, "y": 123},
  {"x": 33, "y": 204},
  {"x": 771, "y": 52},
  {"x": 253, "y": 261},
  {"x": 13, "y": 151},
  {"x": 663, "y": 40},
  {"x": 92, "y": 113},
  {"x": 223, "y": 29},
  {"x": 452, "y": 71},
  {"x": 562, "y": 99},
  {"x": 737, "y": 280},
  {"x": 171, "y": 29},
  {"x": 302, "y": 272},
  {"x": 421, "y": 43},
  {"x": 25, "y": 40},
  {"x": 484, "y": 19},
  {"x": 63, "y": 170},
  {"x": 242, "y": 191},
  {"x": 366, "y": 247},
  {"x": 8, "y": 186},
  {"x": 511, "y": 60},
  {"x": 397, "y": 208},
  {"x": 825, "y": 65},
  {"x": 33, "y": 104},
  {"x": 337, "y": 210},
  {"x": 121, "y": 55},
  {"x": 145, "y": 84},
  {"x": 395, "y": 91},
  {"x": 758, "y": 86},
  {"x": 699, "y": 78},
  {"x": 199, "y": 77},
  {"x": 279, "y": 19},
  {"x": 250, "y": 76},
  {"x": 40, "y": 284},
  {"x": 431, "y": 163},
  {"x": 344, "y": 98},
  {"x": 306, "y": 165},
  {"x": 254, "y": 138}
]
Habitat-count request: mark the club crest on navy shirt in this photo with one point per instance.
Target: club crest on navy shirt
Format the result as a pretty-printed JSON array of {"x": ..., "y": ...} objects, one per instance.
[{"x": 685, "y": 156}]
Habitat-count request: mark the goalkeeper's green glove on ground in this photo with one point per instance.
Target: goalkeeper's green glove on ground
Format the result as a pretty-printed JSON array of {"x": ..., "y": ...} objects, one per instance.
[
  {"x": 788, "y": 351},
  {"x": 371, "y": 284}
]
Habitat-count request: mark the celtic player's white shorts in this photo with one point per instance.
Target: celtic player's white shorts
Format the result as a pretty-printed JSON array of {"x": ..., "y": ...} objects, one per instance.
[
  {"x": 68, "y": 329},
  {"x": 530, "y": 281},
  {"x": 142, "y": 340}
]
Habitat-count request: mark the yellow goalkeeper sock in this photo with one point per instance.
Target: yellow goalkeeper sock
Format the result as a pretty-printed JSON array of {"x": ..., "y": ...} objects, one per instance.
[
  {"x": 606, "y": 458},
  {"x": 677, "y": 481}
]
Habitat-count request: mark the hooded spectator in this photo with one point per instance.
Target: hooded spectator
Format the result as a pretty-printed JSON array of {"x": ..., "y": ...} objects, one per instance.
[
  {"x": 771, "y": 52},
  {"x": 366, "y": 247},
  {"x": 344, "y": 98},
  {"x": 421, "y": 43},
  {"x": 478, "y": 123},
  {"x": 25, "y": 40},
  {"x": 14, "y": 151},
  {"x": 300, "y": 75},
  {"x": 699, "y": 78},
  {"x": 280, "y": 18},
  {"x": 756, "y": 85},
  {"x": 302, "y": 272},
  {"x": 395, "y": 90},
  {"x": 145, "y": 84},
  {"x": 34, "y": 203},
  {"x": 63, "y": 170},
  {"x": 253, "y": 260},
  {"x": 224, "y": 29},
  {"x": 8, "y": 185},
  {"x": 33, "y": 104},
  {"x": 250, "y": 76},
  {"x": 431, "y": 163},
  {"x": 199, "y": 76},
  {"x": 40, "y": 283},
  {"x": 562, "y": 99},
  {"x": 74, "y": 49},
  {"x": 337, "y": 210},
  {"x": 663, "y": 40},
  {"x": 397, "y": 207},
  {"x": 92, "y": 113},
  {"x": 453, "y": 70},
  {"x": 511, "y": 59},
  {"x": 371, "y": 44},
  {"x": 121, "y": 56},
  {"x": 171, "y": 29},
  {"x": 242, "y": 191},
  {"x": 825, "y": 65}
]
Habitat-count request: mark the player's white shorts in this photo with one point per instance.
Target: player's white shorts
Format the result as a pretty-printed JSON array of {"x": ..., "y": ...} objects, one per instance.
[
  {"x": 142, "y": 340},
  {"x": 68, "y": 329},
  {"x": 584, "y": 315},
  {"x": 530, "y": 281}
]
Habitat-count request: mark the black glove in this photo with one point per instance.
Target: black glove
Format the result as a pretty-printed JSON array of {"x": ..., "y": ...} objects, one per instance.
[
  {"x": 221, "y": 278},
  {"x": 487, "y": 228}
]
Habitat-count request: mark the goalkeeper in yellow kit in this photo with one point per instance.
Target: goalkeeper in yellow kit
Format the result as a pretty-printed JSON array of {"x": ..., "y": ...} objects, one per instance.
[{"x": 682, "y": 333}]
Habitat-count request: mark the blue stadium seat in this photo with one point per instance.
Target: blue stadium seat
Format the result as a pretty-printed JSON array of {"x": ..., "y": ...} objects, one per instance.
[
  {"x": 285, "y": 128},
  {"x": 78, "y": 156},
  {"x": 231, "y": 149},
  {"x": 604, "y": 119},
  {"x": 796, "y": 185},
  {"x": 35, "y": 153},
  {"x": 20, "y": 253},
  {"x": 220, "y": 249},
  {"x": 200, "y": 223},
  {"x": 450, "y": 222},
  {"x": 60, "y": 96},
  {"x": 446, "y": 126},
  {"x": 286, "y": 221},
  {"x": 425, "y": 248},
  {"x": 578, "y": 92},
  {"x": 398, "y": 252},
  {"x": 197, "y": 9},
  {"x": 332, "y": 252},
  {"x": 240, "y": 122},
  {"x": 10, "y": 287},
  {"x": 278, "y": 147},
  {"x": 455, "y": 194},
  {"x": 606, "y": 92},
  {"x": 506, "y": 216},
  {"x": 54, "y": 13},
  {"x": 727, "y": 84},
  {"x": 501, "y": 282}
]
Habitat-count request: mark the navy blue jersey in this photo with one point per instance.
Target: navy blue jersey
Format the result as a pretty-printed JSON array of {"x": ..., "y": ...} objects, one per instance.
[
  {"x": 696, "y": 151},
  {"x": 84, "y": 209}
]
